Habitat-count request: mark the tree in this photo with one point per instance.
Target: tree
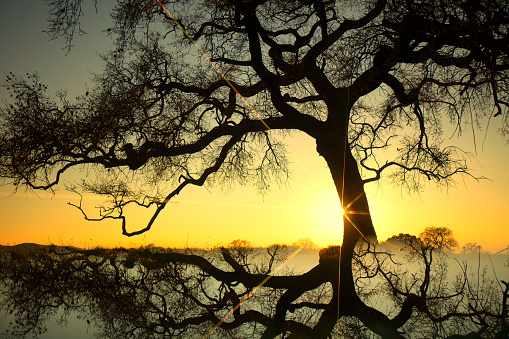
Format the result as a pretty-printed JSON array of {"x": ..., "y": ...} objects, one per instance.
[
  {"x": 439, "y": 238},
  {"x": 404, "y": 239},
  {"x": 358, "y": 78},
  {"x": 471, "y": 248}
]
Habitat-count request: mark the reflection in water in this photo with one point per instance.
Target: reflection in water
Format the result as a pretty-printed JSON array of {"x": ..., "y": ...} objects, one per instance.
[
  {"x": 153, "y": 292},
  {"x": 73, "y": 326},
  {"x": 160, "y": 293}
]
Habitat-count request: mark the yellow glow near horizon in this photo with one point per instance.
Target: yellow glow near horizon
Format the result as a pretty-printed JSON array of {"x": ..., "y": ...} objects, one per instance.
[{"x": 308, "y": 208}]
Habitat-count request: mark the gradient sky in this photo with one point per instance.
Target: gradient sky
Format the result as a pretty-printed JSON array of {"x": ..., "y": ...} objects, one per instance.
[{"x": 475, "y": 211}]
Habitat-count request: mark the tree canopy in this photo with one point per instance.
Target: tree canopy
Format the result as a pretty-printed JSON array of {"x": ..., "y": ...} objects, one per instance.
[{"x": 359, "y": 77}]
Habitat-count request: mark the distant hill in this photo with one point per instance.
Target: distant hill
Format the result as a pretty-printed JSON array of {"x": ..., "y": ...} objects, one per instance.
[
  {"x": 22, "y": 247},
  {"x": 28, "y": 246}
]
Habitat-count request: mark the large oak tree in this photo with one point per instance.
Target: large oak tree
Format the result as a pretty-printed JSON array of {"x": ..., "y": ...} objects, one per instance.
[{"x": 357, "y": 76}]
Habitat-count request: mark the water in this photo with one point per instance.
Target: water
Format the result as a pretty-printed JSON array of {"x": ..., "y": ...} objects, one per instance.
[
  {"x": 73, "y": 327},
  {"x": 137, "y": 291}
]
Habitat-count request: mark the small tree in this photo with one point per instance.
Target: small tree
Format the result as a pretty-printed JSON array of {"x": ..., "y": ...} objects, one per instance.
[
  {"x": 439, "y": 238},
  {"x": 471, "y": 248}
]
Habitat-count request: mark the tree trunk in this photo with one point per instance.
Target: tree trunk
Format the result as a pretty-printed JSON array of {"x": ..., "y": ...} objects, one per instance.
[{"x": 332, "y": 146}]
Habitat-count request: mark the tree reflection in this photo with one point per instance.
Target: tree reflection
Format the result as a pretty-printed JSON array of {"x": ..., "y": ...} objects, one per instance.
[
  {"x": 157, "y": 293},
  {"x": 153, "y": 292}
]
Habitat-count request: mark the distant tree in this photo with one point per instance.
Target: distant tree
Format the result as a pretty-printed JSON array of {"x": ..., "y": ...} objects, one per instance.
[
  {"x": 422, "y": 248},
  {"x": 439, "y": 238},
  {"x": 471, "y": 248},
  {"x": 403, "y": 238},
  {"x": 360, "y": 78},
  {"x": 435, "y": 238},
  {"x": 305, "y": 243}
]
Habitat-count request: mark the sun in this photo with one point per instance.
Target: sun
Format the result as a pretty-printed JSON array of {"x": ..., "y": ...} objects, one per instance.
[
  {"x": 329, "y": 208},
  {"x": 329, "y": 217}
]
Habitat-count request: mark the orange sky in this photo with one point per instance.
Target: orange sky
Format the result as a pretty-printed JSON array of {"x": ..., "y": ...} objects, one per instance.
[{"x": 475, "y": 211}]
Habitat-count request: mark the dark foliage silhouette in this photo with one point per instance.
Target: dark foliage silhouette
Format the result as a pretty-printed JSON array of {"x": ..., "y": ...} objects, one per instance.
[{"x": 358, "y": 77}]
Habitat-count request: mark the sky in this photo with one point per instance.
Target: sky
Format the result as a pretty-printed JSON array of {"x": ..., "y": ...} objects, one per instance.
[{"x": 205, "y": 217}]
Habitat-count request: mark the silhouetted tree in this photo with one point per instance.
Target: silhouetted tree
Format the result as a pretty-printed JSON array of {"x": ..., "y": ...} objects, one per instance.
[
  {"x": 358, "y": 77},
  {"x": 439, "y": 238}
]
